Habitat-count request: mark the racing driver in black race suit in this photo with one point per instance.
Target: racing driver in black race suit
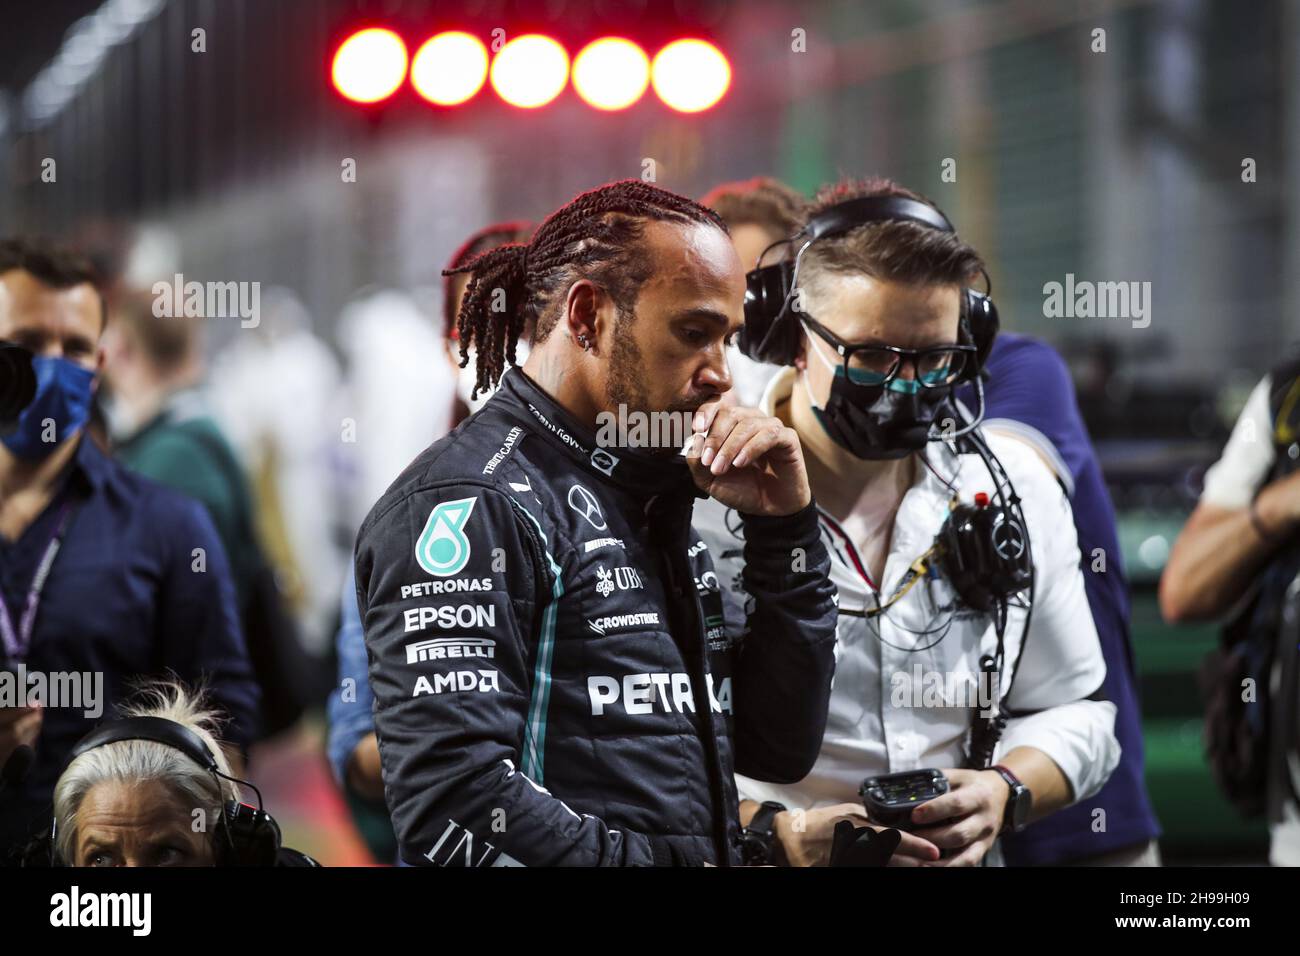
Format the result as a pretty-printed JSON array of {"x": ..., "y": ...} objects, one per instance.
[{"x": 555, "y": 683}]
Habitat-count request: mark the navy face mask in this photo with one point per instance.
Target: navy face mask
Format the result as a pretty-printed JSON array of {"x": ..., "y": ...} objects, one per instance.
[
  {"x": 59, "y": 410},
  {"x": 878, "y": 421}
]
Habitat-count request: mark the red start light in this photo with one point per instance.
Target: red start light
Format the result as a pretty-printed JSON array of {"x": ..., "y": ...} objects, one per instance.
[
  {"x": 530, "y": 71},
  {"x": 690, "y": 75},
  {"x": 449, "y": 68},
  {"x": 369, "y": 66},
  {"x": 611, "y": 73}
]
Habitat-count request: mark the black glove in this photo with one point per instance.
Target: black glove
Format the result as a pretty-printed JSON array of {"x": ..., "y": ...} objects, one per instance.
[{"x": 862, "y": 846}]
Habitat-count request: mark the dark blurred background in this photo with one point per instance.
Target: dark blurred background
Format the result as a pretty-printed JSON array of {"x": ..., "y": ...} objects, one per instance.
[{"x": 1123, "y": 163}]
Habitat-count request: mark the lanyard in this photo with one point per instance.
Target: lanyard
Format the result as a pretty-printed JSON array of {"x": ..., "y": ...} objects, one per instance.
[{"x": 17, "y": 643}]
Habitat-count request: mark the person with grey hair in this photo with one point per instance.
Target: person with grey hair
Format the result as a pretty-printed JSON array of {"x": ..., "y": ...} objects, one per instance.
[{"x": 156, "y": 789}]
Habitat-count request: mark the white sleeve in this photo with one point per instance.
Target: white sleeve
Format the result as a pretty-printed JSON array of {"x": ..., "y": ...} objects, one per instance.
[
  {"x": 1231, "y": 482},
  {"x": 1079, "y": 737},
  {"x": 1062, "y": 663}
]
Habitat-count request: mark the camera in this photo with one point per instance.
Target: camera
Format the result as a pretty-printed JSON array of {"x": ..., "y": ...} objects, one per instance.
[{"x": 17, "y": 384}]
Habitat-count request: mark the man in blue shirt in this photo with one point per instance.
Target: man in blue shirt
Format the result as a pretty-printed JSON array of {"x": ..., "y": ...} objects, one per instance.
[
  {"x": 105, "y": 577},
  {"x": 1029, "y": 396}
]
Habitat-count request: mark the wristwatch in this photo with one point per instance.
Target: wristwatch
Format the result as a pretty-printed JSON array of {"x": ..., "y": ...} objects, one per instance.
[
  {"x": 1018, "y": 804},
  {"x": 758, "y": 840}
]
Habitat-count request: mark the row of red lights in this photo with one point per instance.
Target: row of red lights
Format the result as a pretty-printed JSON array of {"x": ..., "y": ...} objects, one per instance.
[{"x": 529, "y": 71}]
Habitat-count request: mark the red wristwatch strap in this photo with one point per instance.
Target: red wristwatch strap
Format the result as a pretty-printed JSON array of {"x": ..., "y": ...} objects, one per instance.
[
  {"x": 1006, "y": 772},
  {"x": 1015, "y": 784}
]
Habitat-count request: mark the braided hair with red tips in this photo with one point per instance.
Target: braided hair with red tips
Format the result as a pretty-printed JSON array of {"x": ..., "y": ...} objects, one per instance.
[{"x": 596, "y": 236}]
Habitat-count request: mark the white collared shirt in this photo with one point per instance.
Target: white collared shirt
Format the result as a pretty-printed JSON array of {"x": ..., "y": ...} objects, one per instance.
[{"x": 880, "y": 720}]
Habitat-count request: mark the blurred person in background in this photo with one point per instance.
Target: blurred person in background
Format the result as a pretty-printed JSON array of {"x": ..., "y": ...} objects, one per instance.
[
  {"x": 516, "y": 738},
  {"x": 886, "y": 286},
  {"x": 1029, "y": 397},
  {"x": 273, "y": 388},
  {"x": 353, "y": 750},
  {"x": 162, "y": 428},
  {"x": 398, "y": 392},
  {"x": 1238, "y": 557},
  {"x": 134, "y": 788},
  {"x": 760, "y": 213},
  {"x": 102, "y": 572},
  {"x": 159, "y": 421}
]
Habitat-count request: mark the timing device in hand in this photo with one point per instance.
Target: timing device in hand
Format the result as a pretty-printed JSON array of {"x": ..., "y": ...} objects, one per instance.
[{"x": 890, "y": 798}]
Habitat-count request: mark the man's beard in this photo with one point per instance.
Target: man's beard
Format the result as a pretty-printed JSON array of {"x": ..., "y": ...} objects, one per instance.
[
  {"x": 626, "y": 381},
  {"x": 626, "y": 384}
]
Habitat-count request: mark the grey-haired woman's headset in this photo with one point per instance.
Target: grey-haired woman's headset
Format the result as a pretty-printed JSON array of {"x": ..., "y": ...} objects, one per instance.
[{"x": 243, "y": 835}]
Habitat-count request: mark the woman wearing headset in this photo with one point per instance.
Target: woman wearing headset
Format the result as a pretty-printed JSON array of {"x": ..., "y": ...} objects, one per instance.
[{"x": 156, "y": 789}]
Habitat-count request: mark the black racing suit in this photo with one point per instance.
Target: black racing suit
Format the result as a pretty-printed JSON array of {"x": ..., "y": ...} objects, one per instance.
[{"x": 554, "y": 679}]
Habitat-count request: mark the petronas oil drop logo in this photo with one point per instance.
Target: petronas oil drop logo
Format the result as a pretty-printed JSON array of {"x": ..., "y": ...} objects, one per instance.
[{"x": 443, "y": 548}]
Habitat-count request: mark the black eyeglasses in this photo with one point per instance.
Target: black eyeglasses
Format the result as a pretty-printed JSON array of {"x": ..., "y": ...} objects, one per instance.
[{"x": 936, "y": 367}]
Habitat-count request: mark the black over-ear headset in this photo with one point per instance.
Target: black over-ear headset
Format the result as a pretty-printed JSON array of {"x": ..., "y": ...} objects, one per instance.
[
  {"x": 771, "y": 331},
  {"x": 242, "y": 836}
]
